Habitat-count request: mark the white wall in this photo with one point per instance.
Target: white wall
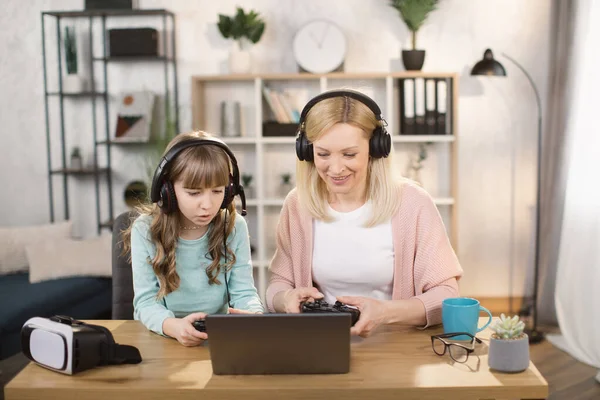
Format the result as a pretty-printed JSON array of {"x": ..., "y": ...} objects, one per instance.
[{"x": 496, "y": 116}]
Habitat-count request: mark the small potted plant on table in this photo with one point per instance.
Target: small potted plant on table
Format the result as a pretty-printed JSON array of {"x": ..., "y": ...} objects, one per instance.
[{"x": 509, "y": 345}]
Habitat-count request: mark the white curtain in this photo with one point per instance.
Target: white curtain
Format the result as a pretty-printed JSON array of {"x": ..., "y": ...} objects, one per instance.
[{"x": 577, "y": 295}]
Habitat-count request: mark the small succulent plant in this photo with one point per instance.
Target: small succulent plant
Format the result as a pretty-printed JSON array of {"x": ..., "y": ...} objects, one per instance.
[{"x": 508, "y": 328}]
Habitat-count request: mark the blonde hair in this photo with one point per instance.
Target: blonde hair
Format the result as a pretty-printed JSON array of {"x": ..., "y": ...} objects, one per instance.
[
  {"x": 197, "y": 167},
  {"x": 382, "y": 183}
]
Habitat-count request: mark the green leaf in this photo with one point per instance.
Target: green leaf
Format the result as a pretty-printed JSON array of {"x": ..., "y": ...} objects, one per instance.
[
  {"x": 242, "y": 24},
  {"x": 255, "y": 32},
  {"x": 70, "y": 44},
  {"x": 225, "y": 25},
  {"x": 414, "y": 12}
]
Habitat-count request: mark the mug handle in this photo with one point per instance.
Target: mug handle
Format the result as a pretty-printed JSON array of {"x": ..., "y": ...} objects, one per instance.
[{"x": 489, "y": 321}]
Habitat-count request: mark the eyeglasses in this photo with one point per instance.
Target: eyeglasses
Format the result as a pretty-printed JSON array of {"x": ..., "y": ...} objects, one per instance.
[{"x": 458, "y": 351}]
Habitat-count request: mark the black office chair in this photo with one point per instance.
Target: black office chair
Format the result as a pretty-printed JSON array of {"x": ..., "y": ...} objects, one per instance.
[{"x": 122, "y": 279}]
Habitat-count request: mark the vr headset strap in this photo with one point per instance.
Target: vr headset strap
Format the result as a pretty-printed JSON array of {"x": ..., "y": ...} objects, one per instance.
[
  {"x": 121, "y": 354},
  {"x": 114, "y": 353}
]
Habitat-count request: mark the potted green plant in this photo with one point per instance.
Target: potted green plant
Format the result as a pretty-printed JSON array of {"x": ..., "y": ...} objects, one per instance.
[
  {"x": 72, "y": 82},
  {"x": 243, "y": 28},
  {"x": 414, "y": 13},
  {"x": 246, "y": 182},
  {"x": 509, "y": 345}
]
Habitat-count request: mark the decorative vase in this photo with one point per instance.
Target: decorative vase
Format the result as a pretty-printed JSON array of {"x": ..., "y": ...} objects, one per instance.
[
  {"x": 76, "y": 159},
  {"x": 240, "y": 59},
  {"x": 135, "y": 193},
  {"x": 231, "y": 118},
  {"x": 73, "y": 83},
  {"x": 413, "y": 59},
  {"x": 509, "y": 355}
]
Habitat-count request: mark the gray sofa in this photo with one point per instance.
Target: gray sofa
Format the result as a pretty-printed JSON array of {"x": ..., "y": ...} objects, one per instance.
[{"x": 78, "y": 297}]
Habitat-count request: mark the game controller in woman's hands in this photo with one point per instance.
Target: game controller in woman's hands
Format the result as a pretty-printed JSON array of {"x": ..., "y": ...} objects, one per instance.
[
  {"x": 321, "y": 306},
  {"x": 200, "y": 325}
]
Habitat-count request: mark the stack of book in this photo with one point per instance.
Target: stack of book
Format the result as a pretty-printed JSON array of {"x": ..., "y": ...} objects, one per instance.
[
  {"x": 425, "y": 106},
  {"x": 281, "y": 105},
  {"x": 283, "y": 114}
]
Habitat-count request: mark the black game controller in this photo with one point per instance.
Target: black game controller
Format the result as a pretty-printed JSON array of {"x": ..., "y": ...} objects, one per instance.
[
  {"x": 320, "y": 306},
  {"x": 199, "y": 325}
]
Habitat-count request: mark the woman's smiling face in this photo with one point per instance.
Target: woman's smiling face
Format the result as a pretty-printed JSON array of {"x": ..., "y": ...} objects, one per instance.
[{"x": 341, "y": 157}]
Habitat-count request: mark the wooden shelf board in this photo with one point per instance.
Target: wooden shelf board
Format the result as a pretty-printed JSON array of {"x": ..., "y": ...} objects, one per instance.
[{"x": 333, "y": 75}]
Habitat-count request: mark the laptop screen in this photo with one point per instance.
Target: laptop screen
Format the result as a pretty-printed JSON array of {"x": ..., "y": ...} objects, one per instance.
[{"x": 248, "y": 344}]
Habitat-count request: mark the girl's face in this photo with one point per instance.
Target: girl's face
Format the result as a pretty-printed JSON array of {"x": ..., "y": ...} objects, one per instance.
[
  {"x": 198, "y": 206},
  {"x": 342, "y": 159}
]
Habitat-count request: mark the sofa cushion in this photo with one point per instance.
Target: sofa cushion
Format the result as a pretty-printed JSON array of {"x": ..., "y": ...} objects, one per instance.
[
  {"x": 22, "y": 300},
  {"x": 13, "y": 241},
  {"x": 62, "y": 258}
]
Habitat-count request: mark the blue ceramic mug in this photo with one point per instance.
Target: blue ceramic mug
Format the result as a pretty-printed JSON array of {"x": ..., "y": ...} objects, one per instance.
[{"x": 461, "y": 314}]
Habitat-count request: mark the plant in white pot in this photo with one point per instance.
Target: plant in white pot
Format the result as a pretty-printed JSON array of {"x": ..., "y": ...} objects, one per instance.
[
  {"x": 244, "y": 28},
  {"x": 413, "y": 13},
  {"x": 72, "y": 82},
  {"x": 509, "y": 345}
]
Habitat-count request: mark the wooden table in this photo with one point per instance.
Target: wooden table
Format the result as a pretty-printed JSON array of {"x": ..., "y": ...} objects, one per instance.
[{"x": 396, "y": 362}]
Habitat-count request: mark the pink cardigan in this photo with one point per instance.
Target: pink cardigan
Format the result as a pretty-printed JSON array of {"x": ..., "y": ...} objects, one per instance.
[{"x": 426, "y": 266}]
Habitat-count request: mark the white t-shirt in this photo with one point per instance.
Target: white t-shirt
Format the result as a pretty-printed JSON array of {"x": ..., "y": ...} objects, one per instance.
[{"x": 351, "y": 260}]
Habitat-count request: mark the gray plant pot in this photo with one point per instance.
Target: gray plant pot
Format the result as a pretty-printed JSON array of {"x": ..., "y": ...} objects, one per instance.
[{"x": 509, "y": 355}]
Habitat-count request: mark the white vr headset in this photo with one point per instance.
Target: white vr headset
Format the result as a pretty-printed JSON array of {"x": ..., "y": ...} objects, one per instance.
[{"x": 68, "y": 346}]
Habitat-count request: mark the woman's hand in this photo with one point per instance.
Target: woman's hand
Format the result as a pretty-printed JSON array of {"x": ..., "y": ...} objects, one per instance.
[
  {"x": 288, "y": 301},
  {"x": 373, "y": 313},
  {"x": 183, "y": 330}
]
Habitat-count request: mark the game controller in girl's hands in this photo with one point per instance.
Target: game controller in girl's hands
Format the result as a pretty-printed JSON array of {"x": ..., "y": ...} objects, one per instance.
[{"x": 199, "y": 325}]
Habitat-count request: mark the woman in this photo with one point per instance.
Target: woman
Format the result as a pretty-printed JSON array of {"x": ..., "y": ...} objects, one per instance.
[{"x": 351, "y": 231}]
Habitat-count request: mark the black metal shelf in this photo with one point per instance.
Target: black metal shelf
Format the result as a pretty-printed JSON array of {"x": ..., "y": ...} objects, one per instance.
[
  {"x": 99, "y": 95},
  {"x": 107, "y": 13},
  {"x": 78, "y": 94}
]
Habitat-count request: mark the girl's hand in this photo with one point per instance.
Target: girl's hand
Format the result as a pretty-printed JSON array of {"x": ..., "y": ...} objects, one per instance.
[
  {"x": 372, "y": 314},
  {"x": 183, "y": 330},
  {"x": 238, "y": 311}
]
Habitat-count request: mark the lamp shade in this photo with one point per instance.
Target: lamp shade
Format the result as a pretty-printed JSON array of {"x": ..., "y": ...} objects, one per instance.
[{"x": 488, "y": 66}]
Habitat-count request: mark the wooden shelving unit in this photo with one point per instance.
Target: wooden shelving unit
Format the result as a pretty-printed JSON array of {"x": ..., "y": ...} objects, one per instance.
[{"x": 267, "y": 157}]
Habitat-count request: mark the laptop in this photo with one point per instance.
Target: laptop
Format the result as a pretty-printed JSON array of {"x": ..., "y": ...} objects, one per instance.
[{"x": 256, "y": 344}]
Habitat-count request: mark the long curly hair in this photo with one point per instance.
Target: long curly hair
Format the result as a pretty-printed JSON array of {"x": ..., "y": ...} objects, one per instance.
[{"x": 197, "y": 167}]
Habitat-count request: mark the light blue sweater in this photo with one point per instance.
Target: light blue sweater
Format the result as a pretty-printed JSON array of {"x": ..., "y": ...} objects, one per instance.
[{"x": 194, "y": 294}]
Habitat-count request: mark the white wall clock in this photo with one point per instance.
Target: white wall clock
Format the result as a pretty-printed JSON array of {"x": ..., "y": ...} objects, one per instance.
[{"x": 319, "y": 47}]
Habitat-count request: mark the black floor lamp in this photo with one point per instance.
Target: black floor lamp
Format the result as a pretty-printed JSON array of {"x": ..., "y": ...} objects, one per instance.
[{"x": 490, "y": 67}]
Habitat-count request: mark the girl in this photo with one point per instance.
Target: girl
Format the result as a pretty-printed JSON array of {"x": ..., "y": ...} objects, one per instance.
[{"x": 190, "y": 253}]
